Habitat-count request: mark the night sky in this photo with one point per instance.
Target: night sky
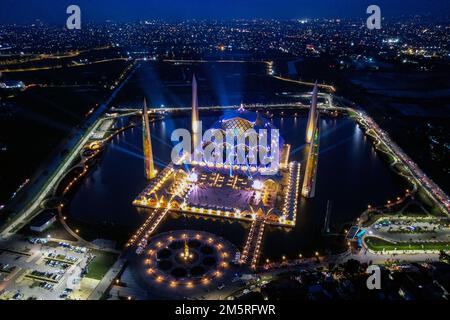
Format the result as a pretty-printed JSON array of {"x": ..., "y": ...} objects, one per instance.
[{"x": 53, "y": 11}]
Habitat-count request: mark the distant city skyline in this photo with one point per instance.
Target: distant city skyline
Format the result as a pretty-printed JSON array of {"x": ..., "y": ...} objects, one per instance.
[{"x": 51, "y": 11}]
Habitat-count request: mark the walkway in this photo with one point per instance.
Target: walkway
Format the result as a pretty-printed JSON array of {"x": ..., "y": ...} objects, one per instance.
[
  {"x": 252, "y": 247},
  {"x": 145, "y": 231}
]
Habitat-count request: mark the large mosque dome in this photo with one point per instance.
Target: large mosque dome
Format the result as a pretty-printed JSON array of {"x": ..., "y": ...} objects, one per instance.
[{"x": 242, "y": 120}]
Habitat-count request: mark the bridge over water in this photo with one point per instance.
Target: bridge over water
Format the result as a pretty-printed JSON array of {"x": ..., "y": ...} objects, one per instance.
[{"x": 252, "y": 247}]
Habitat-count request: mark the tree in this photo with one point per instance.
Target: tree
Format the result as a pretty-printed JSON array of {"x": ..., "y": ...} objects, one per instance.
[{"x": 444, "y": 257}]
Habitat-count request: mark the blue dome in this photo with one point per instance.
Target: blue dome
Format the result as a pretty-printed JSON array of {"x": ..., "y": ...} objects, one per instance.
[{"x": 243, "y": 120}]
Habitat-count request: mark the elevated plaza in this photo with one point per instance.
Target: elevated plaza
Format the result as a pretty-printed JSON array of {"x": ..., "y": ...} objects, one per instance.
[
  {"x": 209, "y": 189},
  {"x": 250, "y": 191}
]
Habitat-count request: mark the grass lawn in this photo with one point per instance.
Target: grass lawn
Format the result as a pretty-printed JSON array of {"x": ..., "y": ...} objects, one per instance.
[
  {"x": 52, "y": 244},
  {"x": 377, "y": 244},
  {"x": 100, "y": 265},
  {"x": 401, "y": 168},
  {"x": 423, "y": 197},
  {"x": 412, "y": 209}
]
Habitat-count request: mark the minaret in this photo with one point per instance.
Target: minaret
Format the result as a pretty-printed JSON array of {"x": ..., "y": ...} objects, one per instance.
[
  {"x": 147, "y": 140},
  {"x": 196, "y": 135},
  {"x": 312, "y": 117},
  {"x": 313, "y": 139}
]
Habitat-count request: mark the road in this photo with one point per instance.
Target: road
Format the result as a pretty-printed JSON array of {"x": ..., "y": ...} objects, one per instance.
[
  {"x": 432, "y": 189},
  {"x": 46, "y": 190}
]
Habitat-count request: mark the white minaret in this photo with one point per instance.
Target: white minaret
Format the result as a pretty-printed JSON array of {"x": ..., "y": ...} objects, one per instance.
[
  {"x": 150, "y": 172},
  {"x": 196, "y": 134},
  {"x": 312, "y": 117}
]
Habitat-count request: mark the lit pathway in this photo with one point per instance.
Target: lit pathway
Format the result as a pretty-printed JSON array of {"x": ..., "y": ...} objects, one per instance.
[
  {"x": 252, "y": 247},
  {"x": 141, "y": 236},
  {"x": 321, "y": 86},
  {"x": 253, "y": 106}
]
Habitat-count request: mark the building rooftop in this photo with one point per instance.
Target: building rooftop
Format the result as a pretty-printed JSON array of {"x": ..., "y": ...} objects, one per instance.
[{"x": 42, "y": 219}]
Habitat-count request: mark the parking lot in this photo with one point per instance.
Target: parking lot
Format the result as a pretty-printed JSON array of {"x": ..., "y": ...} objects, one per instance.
[
  {"x": 419, "y": 230},
  {"x": 44, "y": 269}
]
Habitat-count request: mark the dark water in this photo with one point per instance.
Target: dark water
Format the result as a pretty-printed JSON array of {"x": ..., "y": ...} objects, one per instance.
[{"x": 350, "y": 174}]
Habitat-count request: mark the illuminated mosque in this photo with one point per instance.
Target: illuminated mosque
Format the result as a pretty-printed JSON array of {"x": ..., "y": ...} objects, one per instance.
[{"x": 221, "y": 189}]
